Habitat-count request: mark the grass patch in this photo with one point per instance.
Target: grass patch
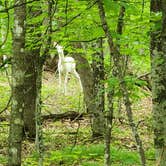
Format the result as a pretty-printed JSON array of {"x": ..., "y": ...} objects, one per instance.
[
  {"x": 92, "y": 155},
  {"x": 58, "y": 137},
  {"x": 55, "y": 101},
  {"x": 5, "y": 90},
  {"x": 3, "y": 160}
]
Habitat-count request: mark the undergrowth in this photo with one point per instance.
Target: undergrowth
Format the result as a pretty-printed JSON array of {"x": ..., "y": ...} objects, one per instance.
[{"x": 69, "y": 143}]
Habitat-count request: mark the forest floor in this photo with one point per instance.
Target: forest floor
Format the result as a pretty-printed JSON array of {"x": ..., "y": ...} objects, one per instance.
[{"x": 69, "y": 143}]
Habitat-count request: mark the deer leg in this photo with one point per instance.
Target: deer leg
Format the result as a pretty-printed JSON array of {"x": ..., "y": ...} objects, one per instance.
[
  {"x": 65, "y": 83},
  {"x": 78, "y": 77},
  {"x": 60, "y": 79}
]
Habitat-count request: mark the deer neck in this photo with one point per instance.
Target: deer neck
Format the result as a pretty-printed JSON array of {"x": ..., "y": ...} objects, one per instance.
[{"x": 61, "y": 57}]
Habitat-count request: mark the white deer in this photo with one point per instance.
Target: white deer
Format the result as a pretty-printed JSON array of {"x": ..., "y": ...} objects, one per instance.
[{"x": 66, "y": 65}]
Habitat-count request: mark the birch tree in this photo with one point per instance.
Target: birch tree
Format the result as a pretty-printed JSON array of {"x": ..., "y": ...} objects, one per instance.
[{"x": 18, "y": 91}]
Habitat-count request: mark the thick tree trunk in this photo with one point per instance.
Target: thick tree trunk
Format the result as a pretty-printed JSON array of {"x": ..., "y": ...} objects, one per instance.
[
  {"x": 98, "y": 86},
  {"x": 87, "y": 79},
  {"x": 158, "y": 52},
  {"x": 30, "y": 94},
  {"x": 32, "y": 60},
  {"x": 98, "y": 74},
  {"x": 18, "y": 89},
  {"x": 86, "y": 76}
]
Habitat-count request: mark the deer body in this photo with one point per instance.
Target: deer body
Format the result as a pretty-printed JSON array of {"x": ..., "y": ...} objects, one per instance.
[{"x": 66, "y": 65}]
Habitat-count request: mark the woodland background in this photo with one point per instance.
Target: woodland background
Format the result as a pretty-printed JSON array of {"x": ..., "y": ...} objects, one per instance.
[{"x": 119, "y": 49}]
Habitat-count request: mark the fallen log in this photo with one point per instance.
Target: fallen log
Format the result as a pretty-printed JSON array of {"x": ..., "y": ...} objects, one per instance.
[{"x": 72, "y": 115}]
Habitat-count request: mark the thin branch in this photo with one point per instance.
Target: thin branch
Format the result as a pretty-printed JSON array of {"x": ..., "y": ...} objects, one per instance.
[
  {"x": 143, "y": 6},
  {"x": 66, "y": 14},
  {"x": 48, "y": 31},
  {"x": 139, "y": 122},
  {"x": 86, "y": 41},
  {"x": 18, "y": 5},
  {"x": 144, "y": 75},
  {"x": 76, "y": 136},
  {"x": 73, "y": 18},
  {"x": 117, "y": 72},
  {"x": 120, "y": 20},
  {"x": 7, "y": 105}
]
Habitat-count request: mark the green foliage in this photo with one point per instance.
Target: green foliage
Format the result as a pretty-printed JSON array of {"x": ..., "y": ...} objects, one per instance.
[
  {"x": 111, "y": 6},
  {"x": 158, "y": 60},
  {"x": 3, "y": 160},
  {"x": 156, "y": 21},
  {"x": 92, "y": 155},
  {"x": 113, "y": 82},
  {"x": 132, "y": 80},
  {"x": 134, "y": 43},
  {"x": 54, "y": 100},
  {"x": 4, "y": 92},
  {"x": 1, "y": 3},
  {"x": 150, "y": 154},
  {"x": 31, "y": 161},
  {"x": 134, "y": 86},
  {"x": 3, "y": 142}
]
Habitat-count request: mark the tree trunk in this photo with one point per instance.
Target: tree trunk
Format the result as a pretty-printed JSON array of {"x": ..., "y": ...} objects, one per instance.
[
  {"x": 87, "y": 80},
  {"x": 18, "y": 88},
  {"x": 98, "y": 86},
  {"x": 32, "y": 60},
  {"x": 129, "y": 113},
  {"x": 38, "y": 118},
  {"x": 117, "y": 74},
  {"x": 110, "y": 95},
  {"x": 31, "y": 93},
  {"x": 158, "y": 52}
]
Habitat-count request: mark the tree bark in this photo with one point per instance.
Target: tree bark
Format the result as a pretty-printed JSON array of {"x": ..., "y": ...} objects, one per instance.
[
  {"x": 110, "y": 95},
  {"x": 38, "y": 118},
  {"x": 72, "y": 115},
  {"x": 87, "y": 79},
  {"x": 158, "y": 61},
  {"x": 33, "y": 38},
  {"x": 18, "y": 88},
  {"x": 98, "y": 88},
  {"x": 30, "y": 94}
]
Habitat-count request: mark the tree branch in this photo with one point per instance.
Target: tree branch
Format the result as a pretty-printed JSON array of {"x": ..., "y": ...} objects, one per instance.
[
  {"x": 7, "y": 105},
  {"x": 18, "y": 5},
  {"x": 73, "y": 18}
]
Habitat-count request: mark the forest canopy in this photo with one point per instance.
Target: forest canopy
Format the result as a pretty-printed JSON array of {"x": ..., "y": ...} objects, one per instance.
[{"x": 82, "y": 82}]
